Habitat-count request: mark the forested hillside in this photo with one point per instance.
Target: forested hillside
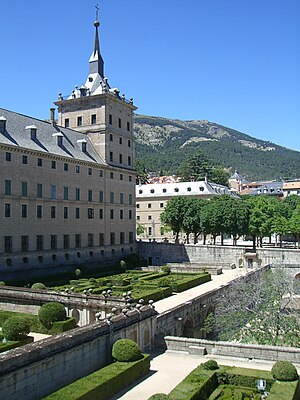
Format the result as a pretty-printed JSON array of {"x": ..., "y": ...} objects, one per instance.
[{"x": 163, "y": 144}]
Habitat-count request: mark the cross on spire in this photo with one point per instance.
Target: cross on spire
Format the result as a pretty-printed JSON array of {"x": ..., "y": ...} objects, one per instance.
[{"x": 97, "y": 10}]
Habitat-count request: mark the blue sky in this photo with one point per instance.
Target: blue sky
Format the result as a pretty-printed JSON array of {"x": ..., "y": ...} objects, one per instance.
[{"x": 234, "y": 62}]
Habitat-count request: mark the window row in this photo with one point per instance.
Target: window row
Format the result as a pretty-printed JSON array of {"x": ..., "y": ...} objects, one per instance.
[
  {"x": 176, "y": 189},
  {"x": 111, "y": 139},
  {"x": 65, "y": 212},
  {"x": 111, "y": 122},
  {"x": 120, "y": 161},
  {"x": 56, "y": 242},
  {"x": 149, "y": 205}
]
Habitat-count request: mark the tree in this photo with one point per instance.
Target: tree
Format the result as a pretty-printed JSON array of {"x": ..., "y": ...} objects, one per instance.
[
  {"x": 294, "y": 224},
  {"x": 219, "y": 175},
  {"x": 140, "y": 229},
  {"x": 280, "y": 226},
  {"x": 192, "y": 218},
  {"x": 195, "y": 167},
  {"x": 142, "y": 176},
  {"x": 259, "y": 311},
  {"x": 173, "y": 214}
]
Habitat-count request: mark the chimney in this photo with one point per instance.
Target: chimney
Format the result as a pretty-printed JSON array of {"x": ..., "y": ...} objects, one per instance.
[
  {"x": 83, "y": 144},
  {"x": 2, "y": 124},
  {"x": 52, "y": 115},
  {"x": 59, "y": 137},
  {"x": 32, "y": 129}
]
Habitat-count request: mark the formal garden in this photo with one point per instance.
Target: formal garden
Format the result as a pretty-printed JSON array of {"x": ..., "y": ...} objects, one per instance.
[{"x": 209, "y": 381}]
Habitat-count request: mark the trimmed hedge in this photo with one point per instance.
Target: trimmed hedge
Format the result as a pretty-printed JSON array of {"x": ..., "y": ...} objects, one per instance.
[
  {"x": 105, "y": 382},
  {"x": 159, "y": 396},
  {"x": 38, "y": 285},
  {"x": 284, "y": 371},
  {"x": 12, "y": 344},
  {"x": 190, "y": 283},
  {"x": 16, "y": 328},
  {"x": 51, "y": 312},
  {"x": 63, "y": 326},
  {"x": 126, "y": 350},
  {"x": 210, "y": 365}
]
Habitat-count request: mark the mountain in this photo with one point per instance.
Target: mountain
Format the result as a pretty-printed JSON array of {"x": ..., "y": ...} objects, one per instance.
[{"x": 162, "y": 144}]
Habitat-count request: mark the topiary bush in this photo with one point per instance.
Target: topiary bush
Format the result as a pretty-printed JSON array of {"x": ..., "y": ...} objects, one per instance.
[
  {"x": 126, "y": 350},
  {"x": 51, "y": 312},
  {"x": 78, "y": 273},
  {"x": 16, "y": 328},
  {"x": 2, "y": 283},
  {"x": 159, "y": 396},
  {"x": 38, "y": 285},
  {"x": 164, "y": 282},
  {"x": 166, "y": 269},
  {"x": 284, "y": 371},
  {"x": 210, "y": 365}
]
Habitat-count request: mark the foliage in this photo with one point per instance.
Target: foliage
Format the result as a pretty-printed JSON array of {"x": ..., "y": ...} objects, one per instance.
[
  {"x": 63, "y": 326},
  {"x": 133, "y": 260},
  {"x": 284, "y": 371},
  {"x": 126, "y": 350},
  {"x": 38, "y": 285},
  {"x": 78, "y": 273},
  {"x": 166, "y": 269},
  {"x": 123, "y": 265},
  {"x": 105, "y": 382},
  {"x": 258, "y": 311},
  {"x": 51, "y": 312},
  {"x": 210, "y": 365},
  {"x": 16, "y": 328},
  {"x": 140, "y": 229},
  {"x": 165, "y": 282},
  {"x": 173, "y": 214},
  {"x": 159, "y": 396},
  {"x": 12, "y": 344},
  {"x": 2, "y": 283}
]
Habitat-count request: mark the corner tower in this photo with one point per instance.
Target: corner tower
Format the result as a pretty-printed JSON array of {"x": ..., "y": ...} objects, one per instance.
[{"x": 101, "y": 113}]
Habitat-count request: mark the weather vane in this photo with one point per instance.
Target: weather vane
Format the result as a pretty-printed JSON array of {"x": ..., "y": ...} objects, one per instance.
[{"x": 97, "y": 10}]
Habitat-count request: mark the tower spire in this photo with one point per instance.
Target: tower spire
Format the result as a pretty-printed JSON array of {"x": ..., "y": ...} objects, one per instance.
[{"x": 96, "y": 61}]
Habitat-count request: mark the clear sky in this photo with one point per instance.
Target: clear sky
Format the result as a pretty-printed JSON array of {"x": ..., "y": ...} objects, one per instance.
[{"x": 234, "y": 62}]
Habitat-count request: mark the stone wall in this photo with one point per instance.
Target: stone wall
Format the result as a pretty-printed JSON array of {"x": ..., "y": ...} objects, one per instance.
[
  {"x": 230, "y": 349},
  {"x": 35, "y": 370}
]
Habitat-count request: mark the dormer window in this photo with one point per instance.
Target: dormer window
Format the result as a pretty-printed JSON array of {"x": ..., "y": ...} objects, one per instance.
[
  {"x": 164, "y": 190},
  {"x": 152, "y": 190},
  {"x": 140, "y": 191},
  {"x": 201, "y": 188},
  {"x": 83, "y": 143},
  {"x": 176, "y": 190},
  {"x": 189, "y": 189},
  {"x": 59, "y": 137},
  {"x": 2, "y": 124},
  {"x": 33, "y": 130}
]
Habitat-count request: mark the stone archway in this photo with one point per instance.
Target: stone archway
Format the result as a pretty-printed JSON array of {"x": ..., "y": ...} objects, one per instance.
[
  {"x": 297, "y": 277},
  {"x": 188, "y": 328},
  {"x": 75, "y": 314}
]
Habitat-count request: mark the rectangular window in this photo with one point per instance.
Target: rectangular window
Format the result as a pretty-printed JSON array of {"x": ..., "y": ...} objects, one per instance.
[
  {"x": 90, "y": 171},
  {"x": 138, "y": 217},
  {"x": 101, "y": 239},
  {"x": 112, "y": 238},
  {"x": 121, "y": 214},
  {"x": 66, "y": 167},
  {"x": 24, "y": 210},
  {"x": 110, "y": 119},
  {"x": 77, "y": 194},
  {"x": 121, "y": 198},
  {"x": 129, "y": 178},
  {"x": 93, "y": 119},
  {"x": 130, "y": 214},
  {"x": 66, "y": 212},
  {"x": 24, "y": 159},
  {"x": 122, "y": 237},
  {"x": 24, "y": 243},
  {"x": 90, "y": 213},
  {"x": 149, "y": 205},
  {"x": 137, "y": 205},
  {"x": 53, "y": 192},
  {"x": 77, "y": 169},
  {"x": 7, "y": 210},
  {"x": 66, "y": 193},
  {"x": 111, "y": 175},
  {"x": 53, "y": 164},
  {"x": 149, "y": 217},
  {"x": 120, "y": 158},
  {"x": 129, "y": 143},
  {"x": 7, "y": 187},
  {"x": 66, "y": 241},
  {"x": 77, "y": 212},
  {"x": 39, "y": 211},
  {"x": 161, "y": 205},
  {"x": 120, "y": 140},
  {"x": 130, "y": 237},
  {"x": 90, "y": 195},
  {"x": 120, "y": 123},
  {"x": 112, "y": 197},
  {"x": 130, "y": 199},
  {"x": 90, "y": 240},
  {"x": 100, "y": 173},
  {"x": 77, "y": 240},
  {"x": 79, "y": 121},
  {"x": 129, "y": 160},
  {"x": 128, "y": 126},
  {"x": 39, "y": 162},
  {"x": 7, "y": 244},
  {"x": 111, "y": 214},
  {"x": 111, "y": 138},
  {"x": 53, "y": 242},
  {"x": 100, "y": 213},
  {"x": 39, "y": 190},
  {"x": 101, "y": 197},
  {"x": 67, "y": 122},
  {"x": 53, "y": 211},
  {"x": 111, "y": 156},
  {"x": 39, "y": 242},
  {"x": 121, "y": 177},
  {"x": 7, "y": 156},
  {"x": 149, "y": 231}
]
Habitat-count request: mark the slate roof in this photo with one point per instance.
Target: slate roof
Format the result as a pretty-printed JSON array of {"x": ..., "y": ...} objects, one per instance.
[{"x": 17, "y": 135}]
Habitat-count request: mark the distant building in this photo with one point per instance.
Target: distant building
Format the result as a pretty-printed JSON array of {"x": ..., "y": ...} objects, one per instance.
[
  {"x": 68, "y": 189},
  {"x": 151, "y": 200},
  {"x": 272, "y": 188},
  {"x": 291, "y": 188}
]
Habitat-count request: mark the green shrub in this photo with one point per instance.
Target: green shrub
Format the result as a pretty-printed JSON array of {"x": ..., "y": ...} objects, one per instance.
[
  {"x": 51, "y": 312},
  {"x": 126, "y": 350},
  {"x": 16, "y": 328},
  {"x": 123, "y": 265},
  {"x": 159, "y": 396},
  {"x": 63, "y": 326},
  {"x": 133, "y": 260},
  {"x": 166, "y": 268},
  {"x": 2, "y": 283},
  {"x": 284, "y": 371},
  {"x": 12, "y": 344},
  {"x": 211, "y": 365},
  {"x": 78, "y": 272},
  {"x": 165, "y": 282},
  {"x": 38, "y": 285}
]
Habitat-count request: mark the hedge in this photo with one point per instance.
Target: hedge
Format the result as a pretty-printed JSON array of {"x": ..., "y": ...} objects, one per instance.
[
  {"x": 192, "y": 282},
  {"x": 12, "y": 344},
  {"x": 105, "y": 382},
  {"x": 63, "y": 326}
]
